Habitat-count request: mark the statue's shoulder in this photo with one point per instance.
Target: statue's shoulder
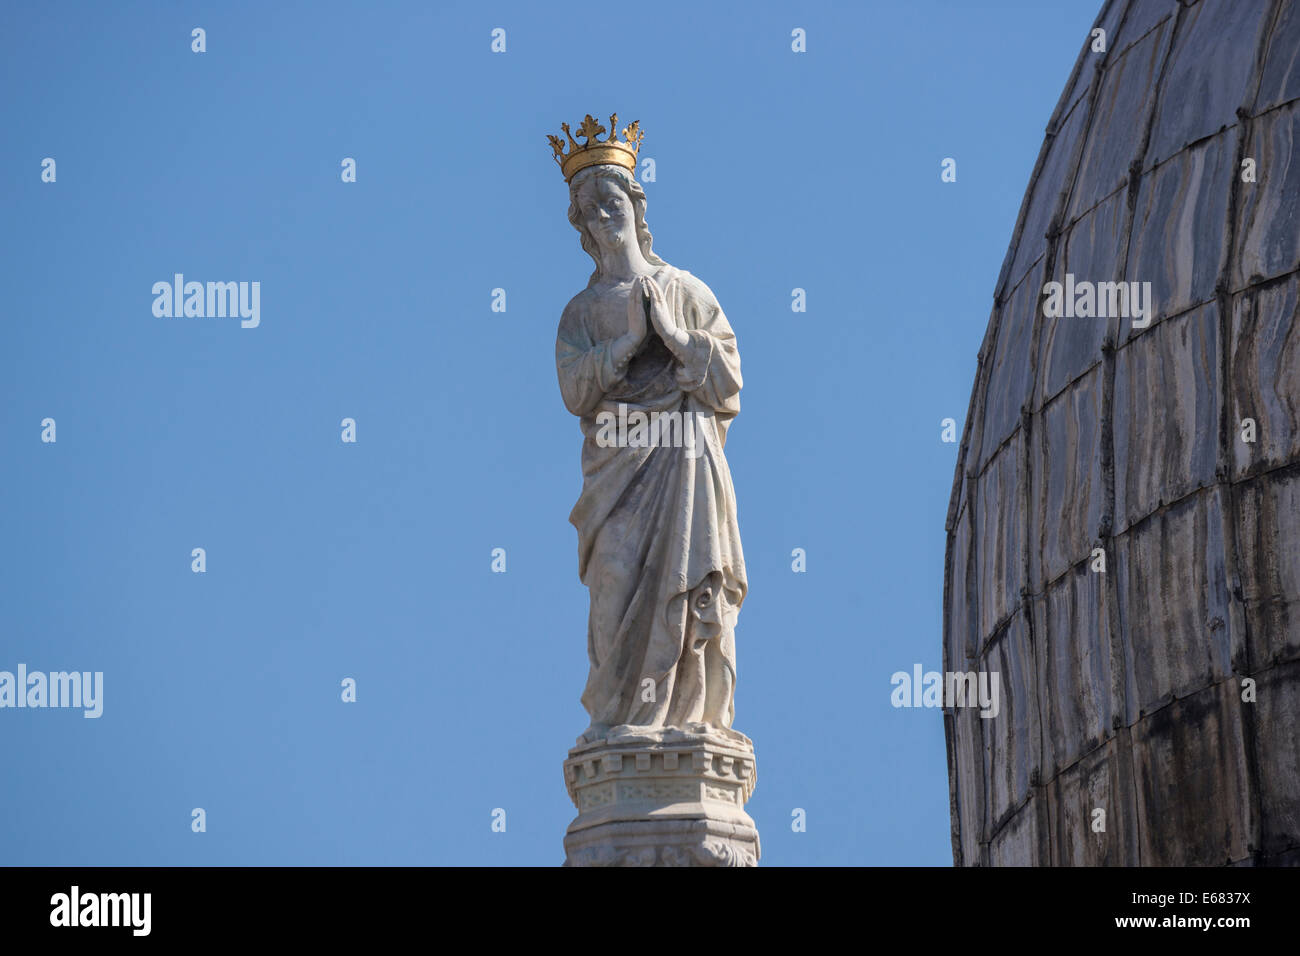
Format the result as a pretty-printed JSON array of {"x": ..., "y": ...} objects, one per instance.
[
  {"x": 694, "y": 286},
  {"x": 577, "y": 307}
]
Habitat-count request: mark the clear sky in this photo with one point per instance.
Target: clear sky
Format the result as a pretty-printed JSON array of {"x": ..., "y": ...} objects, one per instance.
[{"x": 775, "y": 170}]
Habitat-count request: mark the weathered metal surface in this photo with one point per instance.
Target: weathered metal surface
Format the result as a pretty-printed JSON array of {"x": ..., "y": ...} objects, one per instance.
[
  {"x": 1278, "y": 718},
  {"x": 1089, "y": 783},
  {"x": 1012, "y": 376},
  {"x": 1163, "y": 687},
  {"x": 1095, "y": 246},
  {"x": 1173, "y": 602},
  {"x": 1168, "y": 445},
  {"x": 1011, "y": 742},
  {"x": 1265, "y": 370},
  {"x": 1179, "y": 222},
  {"x": 1190, "y": 765},
  {"x": 1280, "y": 82},
  {"x": 1211, "y": 70},
  {"x": 1268, "y": 220},
  {"x": 999, "y": 541},
  {"x": 1079, "y": 711},
  {"x": 1270, "y": 576},
  {"x": 1065, "y": 473},
  {"x": 1127, "y": 90}
]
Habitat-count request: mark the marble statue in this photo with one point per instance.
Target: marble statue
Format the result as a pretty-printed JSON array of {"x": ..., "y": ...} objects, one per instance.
[
  {"x": 658, "y": 542},
  {"x": 648, "y": 363}
]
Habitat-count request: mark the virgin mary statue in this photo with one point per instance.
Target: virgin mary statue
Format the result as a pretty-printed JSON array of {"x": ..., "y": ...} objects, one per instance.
[{"x": 646, "y": 345}]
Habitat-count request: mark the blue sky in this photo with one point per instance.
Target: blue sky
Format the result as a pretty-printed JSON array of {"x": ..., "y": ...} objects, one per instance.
[{"x": 326, "y": 560}]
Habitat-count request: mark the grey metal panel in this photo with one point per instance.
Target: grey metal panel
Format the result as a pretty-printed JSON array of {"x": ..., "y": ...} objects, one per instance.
[
  {"x": 1270, "y": 567},
  {"x": 1079, "y": 83},
  {"x": 1265, "y": 378},
  {"x": 1189, "y": 761},
  {"x": 1179, "y": 239},
  {"x": 1119, "y": 123},
  {"x": 963, "y": 638},
  {"x": 972, "y": 804},
  {"x": 1173, "y": 602},
  {"x": 1141, "y": 19},
  {"x": 1094, "y": 250},
  {"x": 1017, "y": 843},
  {"x": 1011, "y": 376},
  {"x": 1168, "y": 401},
  {"x": 1280, "y": 81},
  {"x": 1277, "y": 726},
  {"x": 1089, "y": 61},
  {"x": 1268, "y": 220},
  {"x": 1059, "y": 161},
  {"x": 999, "y": 539},
  {"x": 1067, "y": 479},
  {"x": 1080, "y": 837},
  {"x": 1011, "y": 736},
  {"x": 1211, "y": 72},
  {"x": 1076, "y": 693}
]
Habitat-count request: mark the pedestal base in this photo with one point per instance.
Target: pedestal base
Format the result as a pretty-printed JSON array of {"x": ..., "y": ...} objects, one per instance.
[{"x": 663, "y": 797}]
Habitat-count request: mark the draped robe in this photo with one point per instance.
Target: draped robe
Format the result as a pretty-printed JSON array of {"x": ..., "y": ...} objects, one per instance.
[{"x": 658, "y": 542}]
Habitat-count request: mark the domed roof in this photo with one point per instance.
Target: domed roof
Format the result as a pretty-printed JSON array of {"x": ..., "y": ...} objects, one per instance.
[{"x": 1124, "y": 530}]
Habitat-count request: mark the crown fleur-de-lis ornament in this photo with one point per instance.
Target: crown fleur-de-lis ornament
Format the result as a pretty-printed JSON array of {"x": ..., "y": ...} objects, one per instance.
[{"x": 593, "y": 151}]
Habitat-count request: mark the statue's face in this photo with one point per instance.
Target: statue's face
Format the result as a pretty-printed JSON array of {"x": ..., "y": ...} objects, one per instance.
[{"x": 607, "y": 213}]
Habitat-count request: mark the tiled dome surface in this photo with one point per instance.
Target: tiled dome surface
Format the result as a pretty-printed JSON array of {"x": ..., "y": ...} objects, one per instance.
[{"x": 1123, "y": 690}]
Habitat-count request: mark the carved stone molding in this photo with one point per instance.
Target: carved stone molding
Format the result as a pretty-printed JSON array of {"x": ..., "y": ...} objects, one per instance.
[{"x": 662, "y": 798}]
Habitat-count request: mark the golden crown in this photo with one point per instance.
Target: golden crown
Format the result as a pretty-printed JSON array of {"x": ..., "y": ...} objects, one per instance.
[{"x": 596, "y": 152}]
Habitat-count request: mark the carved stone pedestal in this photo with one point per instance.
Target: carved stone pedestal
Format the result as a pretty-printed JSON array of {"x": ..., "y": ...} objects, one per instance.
[{"x": 664, "y": 797}]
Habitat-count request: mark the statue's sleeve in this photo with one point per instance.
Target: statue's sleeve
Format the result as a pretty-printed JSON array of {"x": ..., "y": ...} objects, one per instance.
[
  {"x": 711, "y": 369},
  {"x": 586, "y": 369}
]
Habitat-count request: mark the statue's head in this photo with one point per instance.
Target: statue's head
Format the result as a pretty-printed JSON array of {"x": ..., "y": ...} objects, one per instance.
[{"x": 607, "y": 207}]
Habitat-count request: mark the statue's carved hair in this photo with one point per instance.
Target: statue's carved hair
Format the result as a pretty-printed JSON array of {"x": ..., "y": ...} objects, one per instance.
[{"x": 635, "y": 194}]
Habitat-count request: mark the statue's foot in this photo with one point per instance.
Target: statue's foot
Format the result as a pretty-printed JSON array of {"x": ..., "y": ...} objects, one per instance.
[
  {"x": 705, "y": 729},
  {"x": 594, "y": 733}
]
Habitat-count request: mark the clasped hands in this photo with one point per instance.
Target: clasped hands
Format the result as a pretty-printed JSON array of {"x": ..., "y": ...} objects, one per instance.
[{"x": 665, "y": 306}]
